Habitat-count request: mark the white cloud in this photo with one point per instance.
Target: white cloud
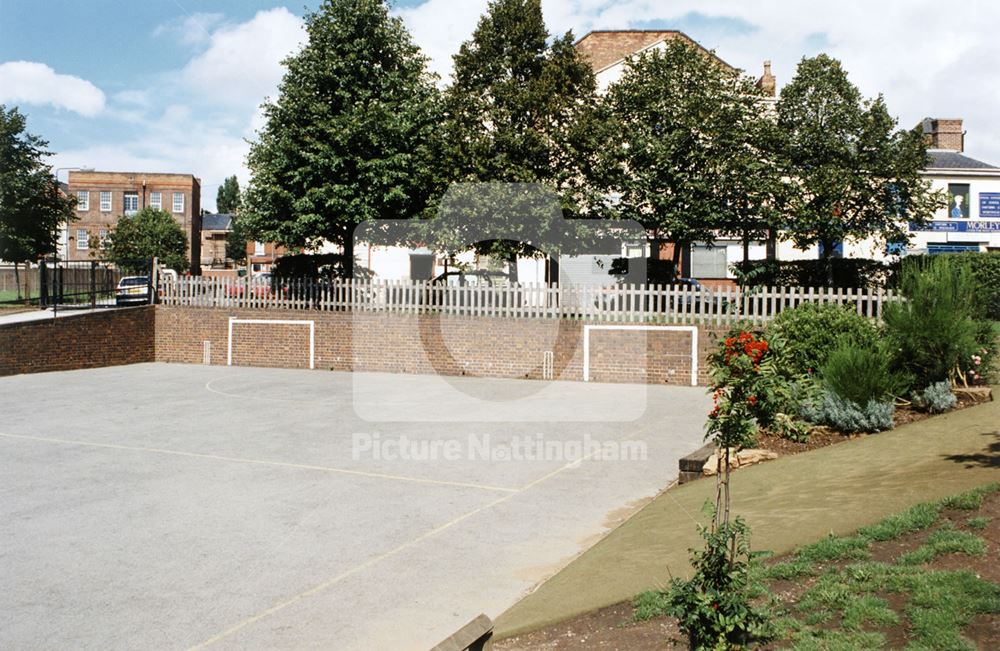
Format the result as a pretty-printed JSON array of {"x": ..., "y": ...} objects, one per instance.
[
  {"x": 192, "y": 29},
  {"x": 36, "y": 83},
  {"x": 242, "y": 63},
  {"x": 439, "y": 27}
]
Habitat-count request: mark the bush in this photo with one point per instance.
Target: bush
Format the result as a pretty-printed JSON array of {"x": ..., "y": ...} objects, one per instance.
[
  {"x": 848, "y": 417},
  {"x": 936, "y": 399},
  {"x": 933, "y": 331},
  {"x": 812, "y": 331},
  {"x": 985, "y": 271},
  {"x": 714, "y": 608},
  {"x": 861, "y": 373},
  {"x": 980, "y": 366},
  {"x": 847, "y": 272}
]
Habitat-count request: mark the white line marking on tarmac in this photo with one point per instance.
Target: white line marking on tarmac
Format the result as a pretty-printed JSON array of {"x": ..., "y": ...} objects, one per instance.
[
  {"x": 211, "y": 389},
  {"x": 259, "y": 462},
  {"x": 389, "y": 554}
]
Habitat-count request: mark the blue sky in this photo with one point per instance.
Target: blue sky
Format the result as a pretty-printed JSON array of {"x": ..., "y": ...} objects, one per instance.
[{"x": 175, "y": 85}]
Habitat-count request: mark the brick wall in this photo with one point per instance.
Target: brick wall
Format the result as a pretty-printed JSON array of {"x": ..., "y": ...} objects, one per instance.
[
  {"x": 92, "y": 340},
  {"x": 452, "y": 345}
]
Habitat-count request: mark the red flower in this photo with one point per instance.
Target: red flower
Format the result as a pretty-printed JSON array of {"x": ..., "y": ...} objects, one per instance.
[{"x": 752, "y": 400}]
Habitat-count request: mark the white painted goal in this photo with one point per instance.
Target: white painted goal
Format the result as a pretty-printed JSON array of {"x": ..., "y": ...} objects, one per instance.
[
  {"x": 312, "y": 334},
  {"x": 691, "y": 329}
]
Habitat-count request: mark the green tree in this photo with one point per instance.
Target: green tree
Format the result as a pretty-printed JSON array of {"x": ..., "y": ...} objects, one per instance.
[
  {"x": 695, "y": 150},
  {"x": 147, "y": 234},
  {"x": 31, "y": 206},
  {"x": 236, "y": 240},
  {"x": 227, "y": 199},
  {"x": 347, "y": 139},
  {"x": 856, "y": 175},
  {"x": 522, "y": 110}
]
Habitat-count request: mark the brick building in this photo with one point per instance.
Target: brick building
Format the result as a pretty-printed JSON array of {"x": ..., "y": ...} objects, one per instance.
[
  {"x": 215, "y": 228},
  {"x": 608, "y": 51},
  {"x": 261, "y": 256},
  {"x": 105, "y": 197}
]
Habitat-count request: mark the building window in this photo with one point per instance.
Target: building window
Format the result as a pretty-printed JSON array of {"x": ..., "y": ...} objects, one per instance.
[
  {"x": 258, "y": 248},
  {"x": 82, "y": 239},
  {"x": 103, "y": 233},
  {"x": 708, "y": 262},
  {"x": 83, "y": 199},
  {"x": 105, "y": 202},
  {"x": 156, "y": 200},
  {"x": 131, "y": 202},
  {"x": 178, "y": 202}
]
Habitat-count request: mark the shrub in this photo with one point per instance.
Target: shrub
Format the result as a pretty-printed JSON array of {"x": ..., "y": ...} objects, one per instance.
[
  {"x": 714, "y": 609},
  {"x": 811, "y": 331},
  {"x": 936, "y": 399},
  {"x": 848, "y": 417},
  {"x": 980, "y": 366},
  {"x": 847, "y": 272},
  {"x": 985, "y": 271},
  {"x": 861, "y": 373},
  {"x": 932, "y": 331}
]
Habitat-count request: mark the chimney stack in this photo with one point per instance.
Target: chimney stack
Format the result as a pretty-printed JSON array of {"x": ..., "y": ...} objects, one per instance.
[
  {"x": 942, "y": 133},
  {"x": 767, "y": 82}
]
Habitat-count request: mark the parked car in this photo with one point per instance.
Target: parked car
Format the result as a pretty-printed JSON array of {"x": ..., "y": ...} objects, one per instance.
[
  {"x": 437, "y": 294},
  {"x": 262, "y": 285},
  {"x": 132, "y": 290},
  {"x": 695, "y": 298}
]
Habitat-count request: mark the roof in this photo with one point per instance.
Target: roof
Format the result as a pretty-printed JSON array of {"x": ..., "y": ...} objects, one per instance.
[
  {"x": 606, "y": 47},
  {"x": 944, "y": 159},
  {"x": 216, "y": 222}
]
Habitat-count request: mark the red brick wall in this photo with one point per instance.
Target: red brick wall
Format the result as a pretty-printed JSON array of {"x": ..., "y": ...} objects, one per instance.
[
  {"x": 454, "y": 345},
  {"x": 92, "y": 340}
]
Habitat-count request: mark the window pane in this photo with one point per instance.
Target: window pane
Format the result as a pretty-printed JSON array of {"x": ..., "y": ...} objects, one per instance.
[
  {"x": 83, "y": 200},
  {"x": 105, "y": 202},
  {"x": 708, "y": 262},
  {"x": 178, "y": 202},
  {"x": 82, "y": 241},
  {"x": 156, "y": 200},
  {"x": 131, "y": 203}
]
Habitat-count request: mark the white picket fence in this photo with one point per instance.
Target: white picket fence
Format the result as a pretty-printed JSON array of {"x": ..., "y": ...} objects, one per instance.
[{"x": 619, "y": 304}]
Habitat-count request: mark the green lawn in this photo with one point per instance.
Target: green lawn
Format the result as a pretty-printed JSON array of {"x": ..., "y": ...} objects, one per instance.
[
  {"x": 853, "y": 600},
  {"x": 9, "y": 295}
]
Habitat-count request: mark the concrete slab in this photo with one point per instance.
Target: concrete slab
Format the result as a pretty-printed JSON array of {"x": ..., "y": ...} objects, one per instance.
[{"x": 175, "y": 506}]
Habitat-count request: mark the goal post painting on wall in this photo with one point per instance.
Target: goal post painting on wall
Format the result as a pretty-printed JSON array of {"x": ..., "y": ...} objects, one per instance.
[
  {"x": 279, "y": 322},
  {"x": 693, "y": 330}
]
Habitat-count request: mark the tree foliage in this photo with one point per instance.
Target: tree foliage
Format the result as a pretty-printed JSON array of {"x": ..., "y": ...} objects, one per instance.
[
  {"x": 522, "y": 109},
  {"x": 347, "y": 139},
  {"x": 694, "y": 153},
  {"x": 227, "y": 198},
  {"x": 856, "y": 175},
  {"x": 148, "y": 234},
  {"x": 31, "y": 206},
  {"x": 236, "y": 240}
]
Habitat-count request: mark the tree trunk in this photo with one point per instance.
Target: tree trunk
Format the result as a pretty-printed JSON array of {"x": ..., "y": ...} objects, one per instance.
[
  {"x": 348, "y": 252},
  {"x": 512, "y": 267},
  {"x": 17, "y": 280},
  {"x": 676, "y": 258},
  {"x": 827, "y": 246}
]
